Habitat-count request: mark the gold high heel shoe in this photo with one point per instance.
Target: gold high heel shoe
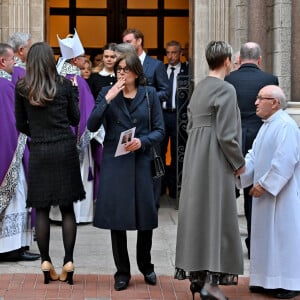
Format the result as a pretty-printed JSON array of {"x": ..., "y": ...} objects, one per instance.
[
  {"x": 67, "y": 273},
  {"x": 49, "y": 272}
]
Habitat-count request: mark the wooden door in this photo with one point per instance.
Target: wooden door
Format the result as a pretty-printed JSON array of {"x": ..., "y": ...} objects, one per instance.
[{"x": 101, "y": 21}]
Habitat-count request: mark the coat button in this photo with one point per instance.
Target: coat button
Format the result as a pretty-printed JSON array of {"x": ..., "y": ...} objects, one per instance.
[{"x": 134, "y": 121}]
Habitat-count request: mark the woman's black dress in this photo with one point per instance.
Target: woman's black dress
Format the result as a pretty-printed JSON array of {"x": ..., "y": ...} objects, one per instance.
[{"x": 54, "y": 171}]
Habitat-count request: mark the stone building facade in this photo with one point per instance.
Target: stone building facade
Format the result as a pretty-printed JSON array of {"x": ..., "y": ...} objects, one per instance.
[{"x": 273, "y": 24}]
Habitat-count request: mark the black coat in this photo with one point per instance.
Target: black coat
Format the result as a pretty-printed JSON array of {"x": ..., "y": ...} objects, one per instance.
[
  {"x": 248, "y": 80},
  {"x": 125, "y": 199}
]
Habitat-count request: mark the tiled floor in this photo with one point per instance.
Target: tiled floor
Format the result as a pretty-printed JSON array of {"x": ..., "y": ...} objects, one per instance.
[{"x": 100, "y": 287}]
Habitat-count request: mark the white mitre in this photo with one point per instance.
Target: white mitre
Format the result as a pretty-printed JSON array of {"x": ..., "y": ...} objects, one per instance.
[{"x": 70, "y": 47}]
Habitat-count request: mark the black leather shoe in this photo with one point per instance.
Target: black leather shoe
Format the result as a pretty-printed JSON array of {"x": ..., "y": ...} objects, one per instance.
[
  {"x": 28, "y": 256},
  {"x": 286, "y": 294},
  {"x": 150, "y": 278},
  {"x": 261, "y": 290},
  {"x": 121, "y": 284}
]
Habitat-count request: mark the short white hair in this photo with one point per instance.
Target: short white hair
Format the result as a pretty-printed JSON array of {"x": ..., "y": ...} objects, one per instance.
[{"x": 18, "y": 39}]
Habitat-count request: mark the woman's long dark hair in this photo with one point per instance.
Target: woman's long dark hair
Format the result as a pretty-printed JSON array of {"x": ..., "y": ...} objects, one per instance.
[{"x": 39, "y": 83}]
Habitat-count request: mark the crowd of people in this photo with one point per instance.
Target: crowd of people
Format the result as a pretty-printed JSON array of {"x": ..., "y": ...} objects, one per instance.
[{"x": 65, "y": 121}]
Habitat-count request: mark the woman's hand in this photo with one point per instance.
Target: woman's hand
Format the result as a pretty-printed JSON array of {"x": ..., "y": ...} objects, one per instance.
[
  {"x": 133, "y": 145},
  {"x": 115, "y": 90},
  {"x": 257, "y": 190}
]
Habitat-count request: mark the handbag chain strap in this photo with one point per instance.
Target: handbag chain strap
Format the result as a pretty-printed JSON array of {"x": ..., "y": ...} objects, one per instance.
[{"x": 149, "y": 114}]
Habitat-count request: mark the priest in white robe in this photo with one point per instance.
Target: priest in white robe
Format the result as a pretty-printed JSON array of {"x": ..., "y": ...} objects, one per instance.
[{"x": 272, "y": 166}]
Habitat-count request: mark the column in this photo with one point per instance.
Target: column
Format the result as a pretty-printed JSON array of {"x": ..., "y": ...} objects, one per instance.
[
  {"x": 210, "y": 22},
  {"x": 257, "y": 27},
  {"x": 281, "y": 54},
  {"x": 24, "y": 16}
]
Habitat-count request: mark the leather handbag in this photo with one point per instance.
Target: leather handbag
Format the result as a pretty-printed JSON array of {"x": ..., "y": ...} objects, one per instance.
[{"x": 157, "y": 165}]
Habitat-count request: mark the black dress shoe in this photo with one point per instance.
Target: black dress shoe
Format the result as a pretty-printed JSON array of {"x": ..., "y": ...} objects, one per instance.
[
  {"x": 150, "y": 278},
  {"x": 121, "y": 284},
  {"x": 28, "y": 256},
  {"x": 286, "y": 294},
  {"x": 261, "y": 290}
]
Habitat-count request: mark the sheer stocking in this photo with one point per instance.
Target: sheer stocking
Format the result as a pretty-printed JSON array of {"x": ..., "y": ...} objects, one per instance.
[
  {"x": 42, "y": 228},
  {"x": 69, "y": 230}
]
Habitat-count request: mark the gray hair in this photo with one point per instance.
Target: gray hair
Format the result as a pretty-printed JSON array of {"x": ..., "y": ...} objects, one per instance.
[
  {"x": 4, "y": 49},
  {"x": 174, "y": 43},
  {"x": 18, "y": 39},
  {"x": 250, "y": 51},
  {"x": 278, "y": 93},
  {"x": 124, "y": 48}
]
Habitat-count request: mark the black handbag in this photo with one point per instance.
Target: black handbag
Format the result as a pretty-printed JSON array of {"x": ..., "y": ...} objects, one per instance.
[{"x": 157, "y": 165}]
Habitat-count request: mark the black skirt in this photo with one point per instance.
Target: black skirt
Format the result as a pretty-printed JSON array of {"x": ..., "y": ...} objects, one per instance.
[{"x": 54, "y": 174}]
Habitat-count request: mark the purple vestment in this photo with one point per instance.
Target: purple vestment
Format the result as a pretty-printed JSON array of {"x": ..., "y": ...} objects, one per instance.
[
  {"x": 86, "y": 105},
  {"x": 8, "y": 132},
  {"x": 18, "y": 73}
]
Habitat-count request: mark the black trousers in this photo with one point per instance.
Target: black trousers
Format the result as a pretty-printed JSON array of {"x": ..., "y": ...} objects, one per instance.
[
  {"x": 248, "y": 214},
  {"x": 170, "y": 179},
  {"x": 143, "y": 252}
]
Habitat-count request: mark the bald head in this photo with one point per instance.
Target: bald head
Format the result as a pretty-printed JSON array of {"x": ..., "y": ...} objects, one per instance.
[
  {"x": 250, "y": 52},
  {"x": 275, "y": 92},
  {"x": 269, "y": 100}
]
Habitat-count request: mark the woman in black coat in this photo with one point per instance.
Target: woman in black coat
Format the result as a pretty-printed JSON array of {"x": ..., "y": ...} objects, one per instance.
[{"x": 126, "y": 200}]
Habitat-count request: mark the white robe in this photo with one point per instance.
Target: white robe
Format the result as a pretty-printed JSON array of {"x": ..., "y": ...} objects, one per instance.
[
  {"x": 84, "y": 210},
  {"x": 15, "y": 225},
  {"x": 273, "y": 162}
]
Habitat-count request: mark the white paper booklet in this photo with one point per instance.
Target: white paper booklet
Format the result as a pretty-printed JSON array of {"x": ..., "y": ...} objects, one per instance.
[{"x": 125, "y": 137}]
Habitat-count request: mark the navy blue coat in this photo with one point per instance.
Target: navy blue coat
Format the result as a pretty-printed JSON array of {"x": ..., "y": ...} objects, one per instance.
[
  {"x": 248, "y": 80},
  {"x": 125, "y": 199},
  {"x": 157, "y": 77}
]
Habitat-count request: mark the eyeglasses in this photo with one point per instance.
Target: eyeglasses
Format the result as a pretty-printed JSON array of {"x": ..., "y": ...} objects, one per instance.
[
  {"x": 83, "y": 55},
  {"x": 14, "y": 58},
  {"x": 259, "y": 98},
  {"x": 125, "y": 69}
]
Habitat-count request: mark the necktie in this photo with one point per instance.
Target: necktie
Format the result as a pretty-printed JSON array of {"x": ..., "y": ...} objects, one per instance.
[{"x": 171, "y": 80}]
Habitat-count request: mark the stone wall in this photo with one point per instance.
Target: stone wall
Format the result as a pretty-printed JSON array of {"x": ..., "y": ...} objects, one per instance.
[{"x": 24, "y": 16}]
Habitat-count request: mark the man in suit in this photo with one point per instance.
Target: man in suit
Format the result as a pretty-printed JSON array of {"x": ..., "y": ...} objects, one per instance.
[
  {"x": 248, "y": 80},
  {"x": 156, "y": 75},
  {"x": 154, "y": 69},
  {"x": 175, "y": 69}
]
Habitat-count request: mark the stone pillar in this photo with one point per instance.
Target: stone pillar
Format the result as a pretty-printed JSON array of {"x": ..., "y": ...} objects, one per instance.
[
  {"x": 238, "y": 24},
  {"x": 295, "y": 53},
  {"x": 24, "y": 16},
  {"x": 257, "y": 27},
  {"x": 210, "y": 22},
  {"x": 282, "y": 44}
]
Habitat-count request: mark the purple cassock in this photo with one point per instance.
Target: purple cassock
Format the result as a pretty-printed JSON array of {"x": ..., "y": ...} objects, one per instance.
[
  {"x": 18, "y": 73},
  {"x": 12, "y": 143},
  {"x": 86, "y": 105}
]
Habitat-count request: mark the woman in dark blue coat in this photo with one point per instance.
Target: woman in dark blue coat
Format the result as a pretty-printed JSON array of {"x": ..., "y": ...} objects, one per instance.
[{"x": 126, "y": 200}]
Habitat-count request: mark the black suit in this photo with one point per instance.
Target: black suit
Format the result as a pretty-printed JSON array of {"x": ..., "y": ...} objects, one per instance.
[
  {"x": 170, "y": 119},
  {"x": 248, "y": 80}
]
